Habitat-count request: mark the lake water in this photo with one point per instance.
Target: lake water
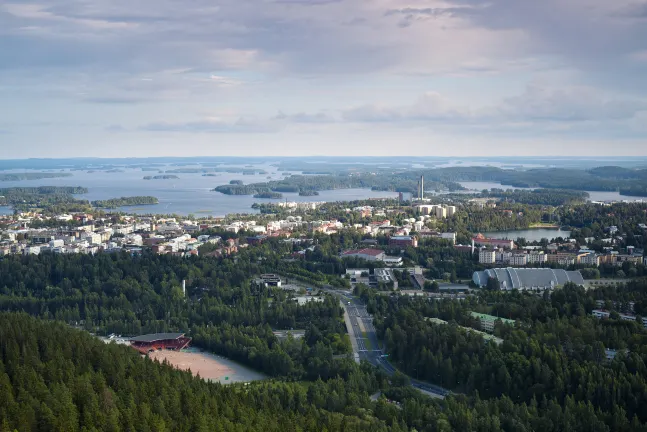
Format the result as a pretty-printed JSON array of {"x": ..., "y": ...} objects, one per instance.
[
  {"x": 533, "y": 234},
  {"x": 5, "y": 210},
  {"x": 479, "y": 186},
  {"x": 190, "y": 193}
]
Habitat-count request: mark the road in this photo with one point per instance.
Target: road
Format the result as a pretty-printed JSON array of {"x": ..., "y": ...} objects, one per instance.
[{"x": 367, "y": 344}]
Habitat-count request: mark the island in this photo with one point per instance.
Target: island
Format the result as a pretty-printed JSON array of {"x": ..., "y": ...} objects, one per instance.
[
  {"x": 161, "y": 177},
  {"x": 308, "y": 193},
  {"x": 125, "y": 201},
  {"x": 59, "y": 197},
  {"x": 31, "y": 176},
  {"x": 235, "y": 182},
  {"x": 271, "y": 195}
]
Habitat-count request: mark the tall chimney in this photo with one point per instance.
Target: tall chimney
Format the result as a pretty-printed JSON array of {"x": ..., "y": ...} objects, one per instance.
[
  {"x": 183, "y": 287},
  {"x": 422, "y": 187}
]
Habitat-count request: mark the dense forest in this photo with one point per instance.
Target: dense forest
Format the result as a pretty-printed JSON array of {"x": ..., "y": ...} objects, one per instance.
[
  {"x": 125, "y": 201},
  {"x": 55, "y": 378},
  {"x": 551, "y": 197},
  {"x": 553, "y": 355},
  {"x": 549, "y": 374}
]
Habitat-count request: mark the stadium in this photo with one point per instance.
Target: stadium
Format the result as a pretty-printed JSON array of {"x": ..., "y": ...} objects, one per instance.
[
  {"x": 160, "y": 341},
  {"x": 533, "y": 278}
]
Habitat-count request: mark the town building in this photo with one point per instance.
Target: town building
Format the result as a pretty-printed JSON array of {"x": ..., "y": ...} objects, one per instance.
[
  {"x": 605, "y": 314},
  {"x": 403, "y": 241},
  {"x": 518, "y": 278},
  {"x": 367, "y": 254},
  {"x": 488, "y": 321},
  {"x": 487, "y": 256},
  {"x": 519, "y": 259},
  {"x": 537, "y": 257},
  {"x": 481, "y": 240}
]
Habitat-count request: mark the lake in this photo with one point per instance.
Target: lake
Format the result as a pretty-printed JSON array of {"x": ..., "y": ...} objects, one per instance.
[
  {"x": 190, "y": 193},
  {"x": 5, "y": 210},
  {"x": 532, "y": 234},
  {"x": 479, "y": 186}
]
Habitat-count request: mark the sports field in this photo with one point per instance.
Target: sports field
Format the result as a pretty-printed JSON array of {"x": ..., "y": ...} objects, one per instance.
[{"x": 198, "y": 363}]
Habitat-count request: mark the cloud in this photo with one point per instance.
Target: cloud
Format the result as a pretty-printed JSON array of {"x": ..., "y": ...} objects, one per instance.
[
  {"x": 429, "y": 107},
  {"x": 317, "y": 118},
  {"x": 41, "y": 12},
  {"x": 411, "y": 15},
  {"x": 115, "y": 128},
  {"x": 570, "y": 104},
  {"x": 214, "y": 125},
  {"x": 113, "y": 100},
  {"x": 536, "y": 105}
]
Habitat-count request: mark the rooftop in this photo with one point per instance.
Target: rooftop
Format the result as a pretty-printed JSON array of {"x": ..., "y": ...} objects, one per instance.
[
  {"x": 156, "y": 337},
  {"x": 487, "y": 317}
]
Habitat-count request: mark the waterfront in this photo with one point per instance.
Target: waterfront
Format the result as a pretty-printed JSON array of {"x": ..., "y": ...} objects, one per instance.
[{"x": 531, "y": 234}]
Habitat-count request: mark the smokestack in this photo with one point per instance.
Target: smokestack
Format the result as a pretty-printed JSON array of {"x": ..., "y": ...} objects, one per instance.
[
  {"x": 183, "y": 287},
  {"x": 422, "y": 187},
  {"x": 472, "y": 246}
]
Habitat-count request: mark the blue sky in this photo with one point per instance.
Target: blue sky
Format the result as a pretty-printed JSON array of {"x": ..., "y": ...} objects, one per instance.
[{"x": 323, "y": 77}]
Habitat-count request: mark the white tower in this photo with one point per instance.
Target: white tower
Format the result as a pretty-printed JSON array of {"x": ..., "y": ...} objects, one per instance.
[
  {"x": 183, "y": 287},
  {"x": 422, "y": 187}
]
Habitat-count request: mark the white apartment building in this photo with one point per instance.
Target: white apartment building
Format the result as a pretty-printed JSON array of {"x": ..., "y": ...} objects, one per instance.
[
  {"x": 519, "y": 259},
  {"x": 441, "y": 212},
  {"x": 590, "y": 259},
  {"x": 537, "y": 257},
  {"x": 487, "y": 256},
  {"x": 503, "y": 256},
  {"x": 451, "y": 211}
]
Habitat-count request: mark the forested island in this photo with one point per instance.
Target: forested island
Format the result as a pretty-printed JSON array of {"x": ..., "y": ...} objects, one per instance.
[
  {"x": 24, "y": 198},
  {"x": 308, "y": 193},
  {"x": 31, "y": 176},
  {"x": 161, "y": 177},
  {"x": 623, "y": 180},
  {"x": 306, "y": 184},
  {"x": 553, "y": 197},
  {"x": 125, "y": 201},
  {"x": 272, "y": 195}
]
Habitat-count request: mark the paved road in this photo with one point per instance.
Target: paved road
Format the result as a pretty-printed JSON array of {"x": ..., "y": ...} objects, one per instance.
[{"x": 367, "y": 343}]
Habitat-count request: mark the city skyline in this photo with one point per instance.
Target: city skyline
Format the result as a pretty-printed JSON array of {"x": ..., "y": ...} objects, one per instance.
[{"x": 323, "y": 77}]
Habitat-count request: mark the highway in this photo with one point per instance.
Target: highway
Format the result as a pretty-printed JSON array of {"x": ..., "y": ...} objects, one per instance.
[{"x": 367, "y": 344}]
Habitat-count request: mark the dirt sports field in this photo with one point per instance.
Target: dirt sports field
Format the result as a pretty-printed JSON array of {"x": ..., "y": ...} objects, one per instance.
[{"x": 198, "y": 363}]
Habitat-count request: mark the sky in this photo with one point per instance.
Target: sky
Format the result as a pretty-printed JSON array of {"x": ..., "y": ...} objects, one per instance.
[{"x": 323, "y": 77}]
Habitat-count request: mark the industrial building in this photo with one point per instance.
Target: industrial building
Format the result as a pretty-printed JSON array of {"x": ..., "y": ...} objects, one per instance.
[{"x": 532, "y": 278}]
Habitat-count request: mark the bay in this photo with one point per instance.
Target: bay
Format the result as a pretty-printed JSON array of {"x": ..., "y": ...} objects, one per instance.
[{"x": 190, "y": 193}]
